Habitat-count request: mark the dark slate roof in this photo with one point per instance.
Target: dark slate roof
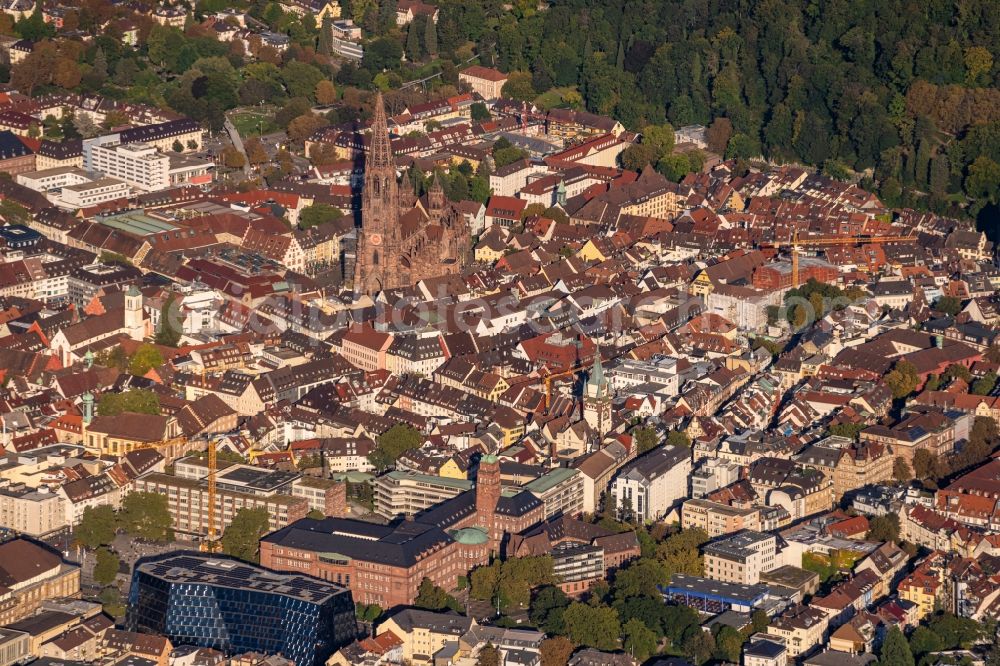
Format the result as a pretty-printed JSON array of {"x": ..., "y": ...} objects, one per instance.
[
  {"x": 12, "y": 147},
  {"x": 395, "y": 545}
]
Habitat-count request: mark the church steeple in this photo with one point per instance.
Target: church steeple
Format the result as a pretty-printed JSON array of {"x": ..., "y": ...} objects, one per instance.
[
  {"x": 377, "y": 264},
  {"x": 380, "y": 154}
]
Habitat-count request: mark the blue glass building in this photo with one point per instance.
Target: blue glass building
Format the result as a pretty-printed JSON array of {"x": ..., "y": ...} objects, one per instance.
[{"x": 218, "y": 602}]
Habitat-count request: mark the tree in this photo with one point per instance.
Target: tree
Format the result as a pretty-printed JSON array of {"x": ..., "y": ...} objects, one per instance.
[
  {"x": 488, "y": 656},
  {"x": 698, "y": 646},
  {"x": 304, "y": 126},
  {"x": 315, "y": 514},
  {"x": 393, "y": 443},
  {"x": 480, "y": 113},
  {"x": 640, "y": 641},
  {"x": 640, "y": 578},
  {"x": 242, "y": 538},
  {"x": 97, "y": 526},
  {"x": 895, "y": 650},
  {"x": 955, "y": 632},
  {"x": 324, "y": 44},
  {"x": 902, "y": 380},
  {"x": 413, "y": 47},
  {"x": 106, "y": 568},
  {"x": 592, "y": 626},
  {"x": 166, "y": 334},
  {"x": 485, "y": 581},
  {"x": 147, "y": 516},
  {"x": 728, "y": 644},
  {"x": 256, "y": 153},
  {"x": 139, "y": 401},
  {"x": 326, "y": 92},
  {"x": 848, "y": 430},
  {"x": 901, "y": 470},
  {"x": 145, "y": 358},
  {"x": 759, "y": 621},
  {"x": 556, "y": 651},
  {"x": 547, "y": 608},
  {"x": 645, "y": 440},
  {"x": 678, "y": 438},
  {"x": 232, "y": 158},
  {"x": 432, "y": 597},
  {"x": 985, "y": 384},
  {"x": 639, "y": 155},
  {"x": 718, "y": 134},
  {"x": 883, "y": 528},
  {"x": 317, "y": 214},
  {"x": 926, "y": 465},
  {"x": 924, "y": 641},
  {"x": 956, "y": 371},
  {"x": 948, "y": 305},
  {"x": 519, "y": 87},
  {"x": 430, "y": 37},
  {"x": 680, "y": 552}
]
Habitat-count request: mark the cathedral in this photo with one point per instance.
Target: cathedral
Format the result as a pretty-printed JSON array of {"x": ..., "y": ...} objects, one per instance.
[{"x": 403, "y": 239}]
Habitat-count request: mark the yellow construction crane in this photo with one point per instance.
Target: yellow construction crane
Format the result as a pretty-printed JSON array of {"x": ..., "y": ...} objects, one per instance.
[
  {"x": 796, "y": 243},
  {"x": 211, "y": 544}
]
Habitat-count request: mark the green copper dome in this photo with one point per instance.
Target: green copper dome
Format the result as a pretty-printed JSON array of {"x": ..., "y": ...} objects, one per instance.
[{"x": 489, "y": 459}]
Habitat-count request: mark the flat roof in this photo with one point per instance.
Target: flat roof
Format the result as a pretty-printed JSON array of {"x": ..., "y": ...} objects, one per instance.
[
  {"x": 221, "y": 571},
  {"x": 93, "y": 185},
  {"x": 547, "y": 482},
  {"x": 698, "y": 586},
  {"x": 137, "y": 223},
  {"x": 459, "y": 484}
]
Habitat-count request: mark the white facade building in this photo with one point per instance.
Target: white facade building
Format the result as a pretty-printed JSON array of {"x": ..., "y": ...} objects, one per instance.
[{"x": 650, "y": 485}]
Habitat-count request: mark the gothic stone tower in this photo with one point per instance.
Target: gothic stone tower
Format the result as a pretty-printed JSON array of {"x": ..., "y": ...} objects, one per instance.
[
  {"x": 597, "y": 399},
  {"x": 378, "y": 254}
]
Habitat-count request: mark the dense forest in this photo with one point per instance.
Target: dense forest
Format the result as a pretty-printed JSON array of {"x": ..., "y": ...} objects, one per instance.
[
  {"x": 899, "y": 91},
  {"x": 900, "y": 94}
]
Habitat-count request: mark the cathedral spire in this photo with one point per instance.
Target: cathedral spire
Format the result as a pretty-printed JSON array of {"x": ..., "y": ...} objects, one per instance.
[{"x": 380, "y": 153}]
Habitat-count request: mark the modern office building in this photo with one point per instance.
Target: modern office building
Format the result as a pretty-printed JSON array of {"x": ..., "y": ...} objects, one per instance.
[
  {"x": 143, "y": 166},
  {"x": 741, "y": 558},
  {"x": 235, "y": 607},
  {"x": 577, "y": 566},
  {"x": 650, "y": 485},
  {"x": 406, "y": 493}
]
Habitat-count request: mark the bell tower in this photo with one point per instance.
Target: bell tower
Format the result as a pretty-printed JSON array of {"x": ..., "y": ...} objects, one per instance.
[
  {"x": 377, "y": 265},
  {"x": 597, "y": 399}
]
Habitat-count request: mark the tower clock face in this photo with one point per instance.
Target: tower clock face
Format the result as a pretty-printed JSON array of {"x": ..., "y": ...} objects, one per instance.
[{"x": 375, "y": 239}]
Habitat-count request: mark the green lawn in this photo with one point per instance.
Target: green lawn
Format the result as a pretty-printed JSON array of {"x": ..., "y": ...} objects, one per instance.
[
  {"x": 253, "y": 123},
  {"x": 552, "y": 98}
]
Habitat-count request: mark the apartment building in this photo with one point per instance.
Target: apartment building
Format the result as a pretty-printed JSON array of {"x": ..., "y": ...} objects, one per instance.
[
  {"x": 718, "y": 519},
  {"x": 34, "y": 512},
  {"x": 801, "y": 628},
  {"x": 425, "y": 633},
  {"x": 561, "y": 491},
  {"x": 741, "y": 558},
  {"x": 406, "y": 493},
  {"x": 650, "y": 485},
  {"x": 485, "y": 81},
  {"x": 577, "y": 566},
  {"x": 92, "y": 193},
  {"x": 143, "y": 166},
  {"x": 187, "y": 500}
]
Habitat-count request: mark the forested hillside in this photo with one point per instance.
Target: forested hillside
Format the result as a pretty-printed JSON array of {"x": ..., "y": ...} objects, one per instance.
[{"x": 903, "y": 91}]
